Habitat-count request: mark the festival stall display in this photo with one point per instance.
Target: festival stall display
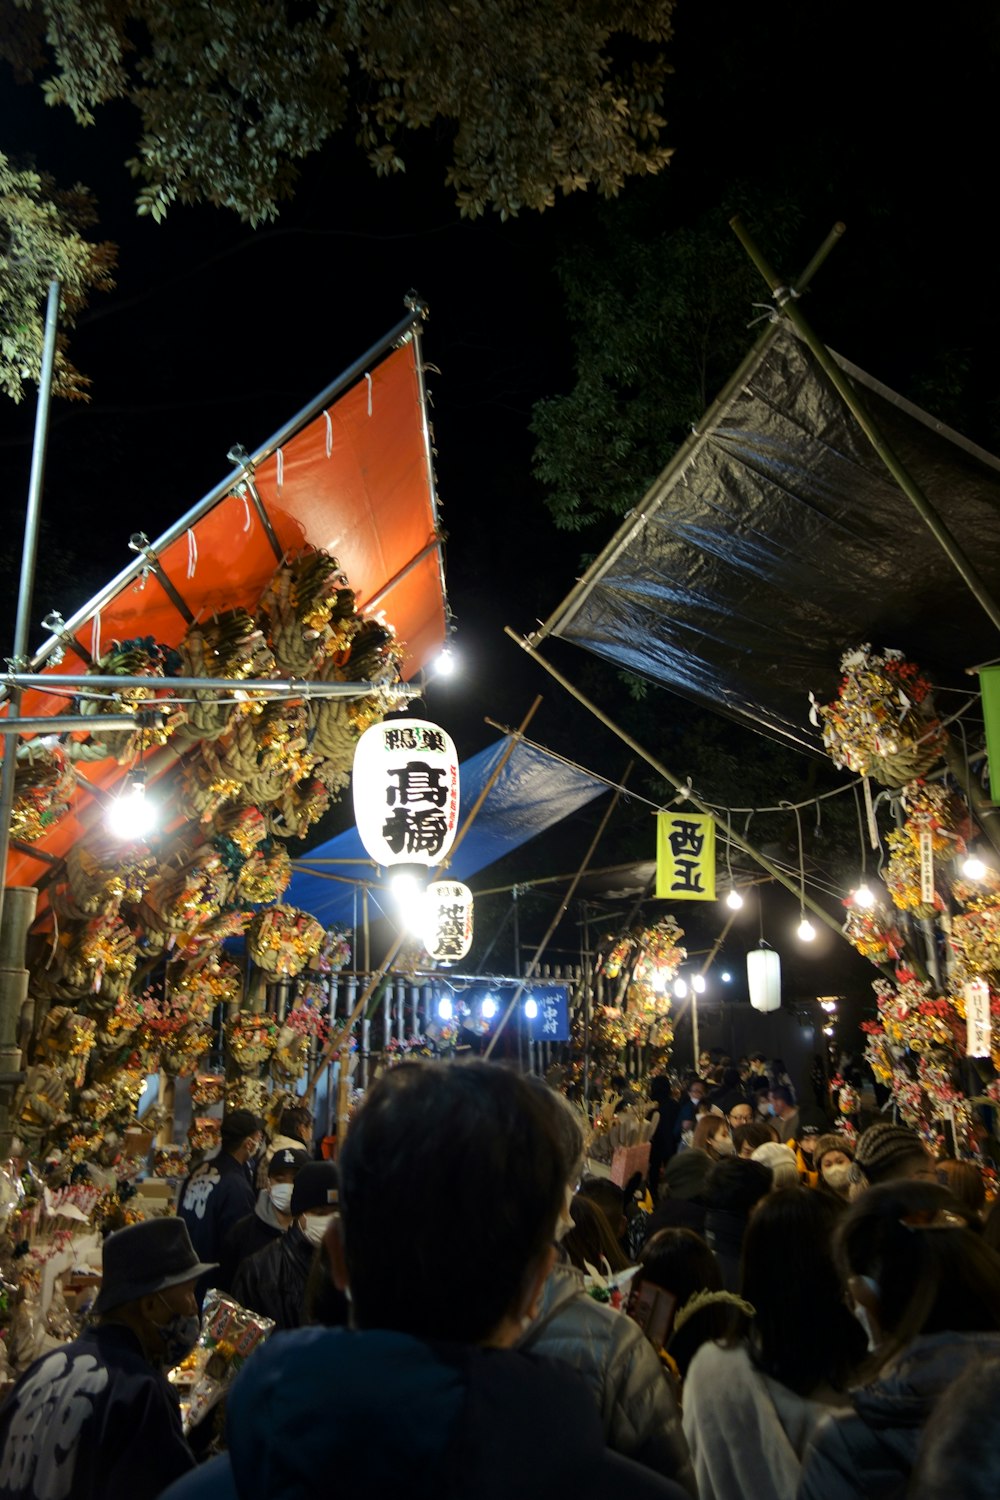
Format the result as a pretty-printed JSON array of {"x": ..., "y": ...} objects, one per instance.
[
  {"x": 940, "y": 927},
  {"x": 644, "y": 962},
  {"x": 128, "y": 972}
]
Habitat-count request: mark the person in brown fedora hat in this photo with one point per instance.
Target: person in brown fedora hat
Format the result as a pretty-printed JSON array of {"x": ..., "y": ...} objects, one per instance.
[{"x": 98, "y": 1416}]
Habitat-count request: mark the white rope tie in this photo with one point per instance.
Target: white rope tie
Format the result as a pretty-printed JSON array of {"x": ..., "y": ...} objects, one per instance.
[
  {"x": 280, "y": 457},
  {"x": 192, "y": 552},
  {"x": 55, "y": 937},
  {"x": 246, "y": 514},
  {"x": 329, "y": 434},
  {"x": 369, "y": 380},
  {"x": 95, "y": 637}
]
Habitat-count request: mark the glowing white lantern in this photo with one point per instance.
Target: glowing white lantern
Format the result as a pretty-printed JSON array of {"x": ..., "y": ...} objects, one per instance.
[
  {"x": 764, "y": 978},
  {"x": 447, "y": 932},
  {"x": 405, "y": 785}
]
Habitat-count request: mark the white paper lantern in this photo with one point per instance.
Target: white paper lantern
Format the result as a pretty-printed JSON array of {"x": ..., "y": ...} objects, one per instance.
[
  {"x": 405, "y": 785},
  {"x": 447, "y": 931},
  {"x": 764, "y": 978}
]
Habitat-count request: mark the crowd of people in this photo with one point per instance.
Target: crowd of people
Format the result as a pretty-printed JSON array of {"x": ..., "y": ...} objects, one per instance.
[{"x": 465, "y": 1310}]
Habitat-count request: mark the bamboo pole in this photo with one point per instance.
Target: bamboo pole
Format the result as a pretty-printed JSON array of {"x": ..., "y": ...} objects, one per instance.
[
  {"x": 530, "y": 972},
  {"x": 785, "y": 299},
  {"x": 681, "y": 786}
]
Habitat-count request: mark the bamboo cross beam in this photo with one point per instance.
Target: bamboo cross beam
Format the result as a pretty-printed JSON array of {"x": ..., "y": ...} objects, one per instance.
[
  {"x": 668, "y": 776},
  {"x": 519, "y": 990}
]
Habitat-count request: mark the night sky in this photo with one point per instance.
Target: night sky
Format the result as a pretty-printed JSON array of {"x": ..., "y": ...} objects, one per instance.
[{"x": 216, "y": 333}]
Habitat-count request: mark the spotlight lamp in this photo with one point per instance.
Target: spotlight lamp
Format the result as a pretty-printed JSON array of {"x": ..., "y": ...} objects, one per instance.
[
  {"x": 530, "y": 1008},
  {"x": 698, "y": 984},
  {"x": 445, "y": 1008},
  {"x": 488, "y": 1009},
  {"x": 973, "y": 868},
  {"x": 131, "y": 816},
  {"x": 680, "y": 988}
]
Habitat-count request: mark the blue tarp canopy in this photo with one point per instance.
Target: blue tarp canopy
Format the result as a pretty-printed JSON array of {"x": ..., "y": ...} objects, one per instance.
[{"x": 534, "y": 790}]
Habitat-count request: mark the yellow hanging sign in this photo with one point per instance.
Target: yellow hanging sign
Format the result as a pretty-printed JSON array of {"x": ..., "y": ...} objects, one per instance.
[{"x": 685, "y": 856}]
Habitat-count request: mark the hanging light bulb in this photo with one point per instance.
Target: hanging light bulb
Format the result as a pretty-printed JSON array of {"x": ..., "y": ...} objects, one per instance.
[
  {"x": 806, "y": 930},
  {"x": 698, "y": 984},
  {"x": 488, "y": 1009},
  {"x": 530, "y": 1009},
  {"x": 130, "y": 816},
  {"x": 734, "y": 900},
  {"x": 864, "y": 895},
  {"x": 680, "y": 988},
  {"x": 973, "y": 868},
  {"x": 445, "y": 1008}
]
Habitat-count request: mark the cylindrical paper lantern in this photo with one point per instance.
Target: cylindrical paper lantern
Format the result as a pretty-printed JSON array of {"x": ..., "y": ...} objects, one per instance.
[
  {"x": 405, "y": 785},
  {"x": 764, "y": 978},
  {"x": 448, "y": 921}
]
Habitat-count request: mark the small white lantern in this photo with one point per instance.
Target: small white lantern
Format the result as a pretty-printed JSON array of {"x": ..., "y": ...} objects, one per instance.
[
  {"x": 447, "y": 933},
  {"x": 405, "y": 785},
  {"x": 764, "y": 978}
]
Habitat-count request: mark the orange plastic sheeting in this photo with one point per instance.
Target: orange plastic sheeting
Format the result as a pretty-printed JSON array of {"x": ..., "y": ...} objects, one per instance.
[{"x": 354, "y": 482}]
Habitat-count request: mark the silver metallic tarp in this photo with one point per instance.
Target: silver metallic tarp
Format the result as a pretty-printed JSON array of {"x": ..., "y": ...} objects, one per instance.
[{"x": 776, "y": 539}]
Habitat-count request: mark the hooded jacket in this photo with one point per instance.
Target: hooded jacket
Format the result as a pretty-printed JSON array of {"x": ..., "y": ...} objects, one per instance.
[
  {"x": 747, "y": 1432},
  {"x": 382, "y": 1415},
  {"x": 248, "y": 1235},
  {"x": 638, "y": 1411},
  {"x": 871, "y": 1449}
]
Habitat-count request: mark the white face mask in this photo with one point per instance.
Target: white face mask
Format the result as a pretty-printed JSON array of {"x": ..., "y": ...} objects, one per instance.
[
  {"x": 724, "y": 1145},
  {"x": 314, "y": 1227},
  {"x": 281, "y": 1196},
  {"x": 838, "y": 1174}
]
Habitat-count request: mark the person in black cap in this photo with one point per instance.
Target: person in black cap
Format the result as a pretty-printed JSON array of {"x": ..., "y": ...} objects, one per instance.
[
  {"x": 220, "y": 1191},
  {"x": 97, "y": 1416},
  {"x": 271, "y": 1216},
  {"x": 273, "y": 1282}
]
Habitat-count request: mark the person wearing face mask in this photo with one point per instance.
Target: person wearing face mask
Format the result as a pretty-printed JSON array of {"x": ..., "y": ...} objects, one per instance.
[
  {"x": 271, "y": 1216},
  {"x": 711, "y": 1135},
  {"x": 832, "y": 1158},
  {"x": 273, "y": 1281},
  {"x": 98, "y": 1416},
  {"x": 926, "y": 1291},
  {"x": 221, "y": 1191}
]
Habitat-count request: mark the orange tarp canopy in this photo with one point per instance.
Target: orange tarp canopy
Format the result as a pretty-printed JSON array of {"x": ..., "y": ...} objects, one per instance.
[{"x": 355, "y": 481}]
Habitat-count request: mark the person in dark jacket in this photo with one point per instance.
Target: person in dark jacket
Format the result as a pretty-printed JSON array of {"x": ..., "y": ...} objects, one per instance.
[
  {"x": 273, "y": 1282},
  {"x": 927, "y": 1291},
  {"x": 731, "y": 1190},
  {"x": 98, "y": 1416},
  {"x": 221, "y": 1191},
  {"x": 662, "y": 1145},
  {"x": 271, "y": 1216},
  {"x": 425, "y": 1397},
  {"x": 681, "y": 1204}
]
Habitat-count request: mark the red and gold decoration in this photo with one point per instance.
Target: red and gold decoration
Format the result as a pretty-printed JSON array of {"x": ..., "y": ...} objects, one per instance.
[{"x": 882, "y": 722}]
